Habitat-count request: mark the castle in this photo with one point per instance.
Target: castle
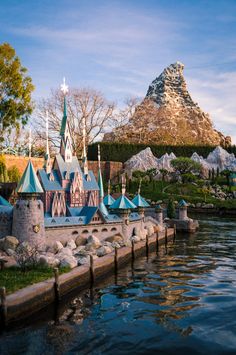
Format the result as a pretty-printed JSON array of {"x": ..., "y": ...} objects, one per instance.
[{"x": 64, "y": 200}]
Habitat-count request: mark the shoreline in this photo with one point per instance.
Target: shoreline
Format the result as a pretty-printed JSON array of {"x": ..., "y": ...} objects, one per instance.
[{"x": 31, "y": 299}]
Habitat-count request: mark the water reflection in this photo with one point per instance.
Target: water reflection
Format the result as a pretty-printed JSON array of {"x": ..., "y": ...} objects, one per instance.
[{"x": 180, "y": 299}]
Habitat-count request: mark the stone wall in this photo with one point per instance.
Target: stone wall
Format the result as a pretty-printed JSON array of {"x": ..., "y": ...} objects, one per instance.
[
  {"x": 110, "y": 169},
  {"x": 101, "y": 231}
]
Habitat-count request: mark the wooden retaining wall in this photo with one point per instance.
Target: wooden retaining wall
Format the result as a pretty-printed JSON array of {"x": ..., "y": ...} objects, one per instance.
[{"x": 31, "y": 299}]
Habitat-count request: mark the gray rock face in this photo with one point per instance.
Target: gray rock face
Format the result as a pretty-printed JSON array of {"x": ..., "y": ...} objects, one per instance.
[
  {"x": 168, "y": 115},
  {"x": 144, "y": 160}
]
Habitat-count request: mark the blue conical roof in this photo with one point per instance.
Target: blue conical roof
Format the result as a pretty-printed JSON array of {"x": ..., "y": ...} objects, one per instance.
[
  {"x": 183, "y": 203},
  {"x": 4, "y": 202},
  {"x": 29, "y": 183},
  {"x": 108, "y": 200},
  {"x": 123, "y": 203},
  {"x": 139, "y": 201}
]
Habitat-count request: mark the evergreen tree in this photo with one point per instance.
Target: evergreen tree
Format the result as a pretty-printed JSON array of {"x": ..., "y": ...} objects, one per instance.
[{"x": 171, "y": 209}]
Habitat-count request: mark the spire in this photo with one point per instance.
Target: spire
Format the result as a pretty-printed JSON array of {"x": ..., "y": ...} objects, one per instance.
[
  {"x": 100, "y": 182},
  {"x": 66, "y": 145},
  {"x": 123, "y": 182},
  {"x": 29, "y": 183},
  {"x": 30, "y": 143},
  {"x": 85, "y": 161},
  {"x": 102, "y": 206},
  {"x": 109, "y": 187},
  {"x": 47, "y": 164},
  {"x": 139, "y": 188}
]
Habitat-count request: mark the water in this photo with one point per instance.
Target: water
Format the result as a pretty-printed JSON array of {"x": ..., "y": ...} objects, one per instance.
[{"x": 181, "y": 301}]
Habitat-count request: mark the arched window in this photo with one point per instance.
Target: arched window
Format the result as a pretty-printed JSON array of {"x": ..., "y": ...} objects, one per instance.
[
  {"x": 94, "y": 231},
  {"x": 75, "y": 232},
  {"x": 104, "y": 230},
  {"x": 85, "y": 231},
  {"x": 113, "y": 229}
]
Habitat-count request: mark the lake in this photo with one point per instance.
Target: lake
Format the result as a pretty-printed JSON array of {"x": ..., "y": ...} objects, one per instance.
[{"x": 181, "y": 300}]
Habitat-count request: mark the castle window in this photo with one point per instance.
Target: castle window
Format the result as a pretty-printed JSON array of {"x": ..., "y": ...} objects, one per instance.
[
  {"x": 94, "y": 231},
  {"x": 113, "y": 229},
  {"x": 85, "y": 231},
  {"x": 104, "y": 230}
]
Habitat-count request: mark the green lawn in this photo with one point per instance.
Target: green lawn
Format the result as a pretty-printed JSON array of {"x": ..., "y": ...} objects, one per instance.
[{"x": 14, "y": 279}]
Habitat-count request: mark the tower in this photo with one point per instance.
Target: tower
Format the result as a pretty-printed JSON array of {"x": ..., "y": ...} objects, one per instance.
[
  {"x": 65, "y": 133},
  {"x": 183, "y": 210},
  {"x": 102, "y": 206},
  {"x": 140, "y": 202},
  {"x": 28, "y": 213},
  {"x": 122, "y": 206},
  {"x": 47, "y": 163},
  {"x": 85, "y": 161}
]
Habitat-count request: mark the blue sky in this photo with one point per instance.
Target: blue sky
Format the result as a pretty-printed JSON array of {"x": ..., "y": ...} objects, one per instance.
[{"x": 119, "y": 47}]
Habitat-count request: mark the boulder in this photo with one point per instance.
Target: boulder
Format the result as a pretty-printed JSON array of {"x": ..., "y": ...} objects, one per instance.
[
  {"x": 83, "y": 260},
  {"x": 10, "y": 243},
  {"x": 80, "y": 240},
  {"x": 71, "y": 244},
  {"x": 50, "y": 261},
  {"x": 56, "y": 247},
  {"x": 115, "y": 245},
  {"x": 104, "y": 250},
  {"x": 150, "y": 231},
  {"x": 64, "y": 252},
  {"x": 94, "y": 241},
  {"x": 135, "y": 238},
  {"x": 68, "y": 261},
  {"x": 10, "y": 252},
  {"x": 114, "y": 238}
]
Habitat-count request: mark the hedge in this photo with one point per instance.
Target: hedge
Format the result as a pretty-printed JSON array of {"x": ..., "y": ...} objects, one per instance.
[{"x": 123, "y": 151}]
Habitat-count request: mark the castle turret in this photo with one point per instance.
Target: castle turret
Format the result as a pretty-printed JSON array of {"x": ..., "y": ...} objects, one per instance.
[
  {"x": 140, "y": 202},
  {"x": 47, "y": 162},
  {"x": 66, "y": 142},
  {"x": 102, "y": 206},
  {"x": 183, "y": 210},
  {"x": 122, "y": 206},
  {"x": 28, "y": 213},
  {"x": 159, "y": 214},
  {"x": 108, "y": 199}
]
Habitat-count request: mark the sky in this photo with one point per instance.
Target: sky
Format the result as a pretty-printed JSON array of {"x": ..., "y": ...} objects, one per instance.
[{"x": 120, "y": 47}]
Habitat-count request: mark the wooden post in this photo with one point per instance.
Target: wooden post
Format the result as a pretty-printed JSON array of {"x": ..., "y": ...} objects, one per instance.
[
  {"x": 132, "y": 249},
  {"x": 2, "y": 263},
  {"x": 147, "y": 245},
  {"x": 3, "y": 306},
  {"x": 166, "y": 235},
  {"x": 174, "y": 231},
  {"x": 91, "y": 270},
  {"x": 56, "y": 284},
  {"x": 157, "y": 240},
  {"x": 116, "y": 259}
]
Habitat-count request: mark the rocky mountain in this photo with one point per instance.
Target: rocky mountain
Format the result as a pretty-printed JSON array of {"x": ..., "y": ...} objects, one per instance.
[
  {"x": 168, "y": 115},
  {"x": 144, "y": 160}
]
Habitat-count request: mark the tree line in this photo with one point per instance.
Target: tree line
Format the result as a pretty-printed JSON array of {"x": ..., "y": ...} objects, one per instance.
[{"x": 113, "y": 151}]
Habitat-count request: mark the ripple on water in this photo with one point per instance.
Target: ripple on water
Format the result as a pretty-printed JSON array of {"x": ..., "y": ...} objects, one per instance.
[{"x": 179, "y": 302}]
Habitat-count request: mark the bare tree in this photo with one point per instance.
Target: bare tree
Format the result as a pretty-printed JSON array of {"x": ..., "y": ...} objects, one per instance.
[{"x": 82, "y": 104}]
